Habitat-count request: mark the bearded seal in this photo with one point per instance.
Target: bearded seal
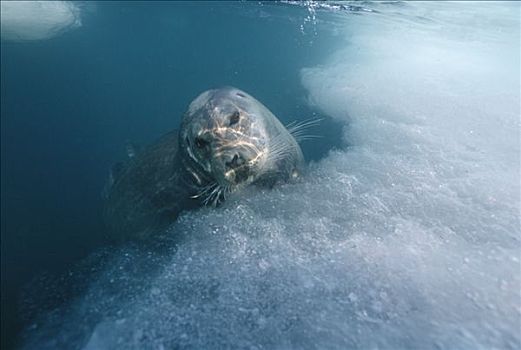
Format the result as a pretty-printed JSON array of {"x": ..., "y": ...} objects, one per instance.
[{"x": 227, "y": 141}]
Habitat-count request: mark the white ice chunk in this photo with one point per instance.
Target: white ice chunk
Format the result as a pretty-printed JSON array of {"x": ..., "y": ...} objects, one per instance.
[{"x": 37, "y": 20}]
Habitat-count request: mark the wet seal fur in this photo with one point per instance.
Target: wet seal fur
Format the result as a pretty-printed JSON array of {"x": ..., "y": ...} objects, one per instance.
[{"x": 227, "y": 140}]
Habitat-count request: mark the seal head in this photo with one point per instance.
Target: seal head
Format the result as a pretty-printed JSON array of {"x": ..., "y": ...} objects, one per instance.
[{"x": 229, "y": 140}]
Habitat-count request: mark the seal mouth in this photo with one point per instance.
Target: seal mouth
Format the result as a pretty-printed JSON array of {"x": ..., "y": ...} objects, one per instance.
[
  {"x": 229, "y": 175},
  {"x": 233, "y": 169},
  {"x": 237, "y": 176}
]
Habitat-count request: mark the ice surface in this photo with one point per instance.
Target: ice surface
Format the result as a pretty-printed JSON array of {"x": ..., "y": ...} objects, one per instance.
[
  {"x": 37, "y": 20},
  {"x": 410, "y": 238}
]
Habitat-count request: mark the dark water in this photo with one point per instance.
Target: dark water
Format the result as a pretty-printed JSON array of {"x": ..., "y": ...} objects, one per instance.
[
  {"x": 404, "y": 233},
  {"x": 71, "y": 102}
]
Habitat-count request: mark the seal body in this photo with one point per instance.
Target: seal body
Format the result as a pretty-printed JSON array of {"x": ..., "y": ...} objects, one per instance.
[
  {"x": 227, "y": 140},
  {"x": 147, "y": 192}
]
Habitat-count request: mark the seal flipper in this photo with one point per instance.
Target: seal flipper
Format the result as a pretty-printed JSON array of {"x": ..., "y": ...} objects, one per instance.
[
  {"x": 118, "y": 168},
  {"x": 116, "y": 171},
  {"x": 131, "y": 149},
  {"x": 114, "y": 174}
]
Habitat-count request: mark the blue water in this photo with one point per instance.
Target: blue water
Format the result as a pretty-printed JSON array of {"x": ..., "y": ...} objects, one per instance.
[{"x": 404, "y": 234}]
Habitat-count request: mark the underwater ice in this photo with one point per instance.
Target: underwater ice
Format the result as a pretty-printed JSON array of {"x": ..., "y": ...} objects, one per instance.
[
  {"x": 37, "y": 20},
  {"x": 410, "y": 238}
]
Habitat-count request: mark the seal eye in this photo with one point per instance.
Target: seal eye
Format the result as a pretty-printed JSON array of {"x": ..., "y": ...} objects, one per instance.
[
  {"x": 234, "y": 118},
  {"x": 200, "y": 143}
]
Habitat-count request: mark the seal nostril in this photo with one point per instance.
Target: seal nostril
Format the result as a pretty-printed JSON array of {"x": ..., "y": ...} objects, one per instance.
[{"x": 234, "y": 162}]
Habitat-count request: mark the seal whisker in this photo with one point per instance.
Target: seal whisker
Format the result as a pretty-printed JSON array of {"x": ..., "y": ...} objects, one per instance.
[
  {"x": 304, "y": 124},
  {"x": 208, "y": 197},
  {"x": 278, "y": 148},
  {"x": 217, "y": 195},
  {"x": 303, "y": 137},
  {"x": 204, "y": 190},
  {"x": 208, "y": 190},
  {"x": 298, "y": 129}
]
